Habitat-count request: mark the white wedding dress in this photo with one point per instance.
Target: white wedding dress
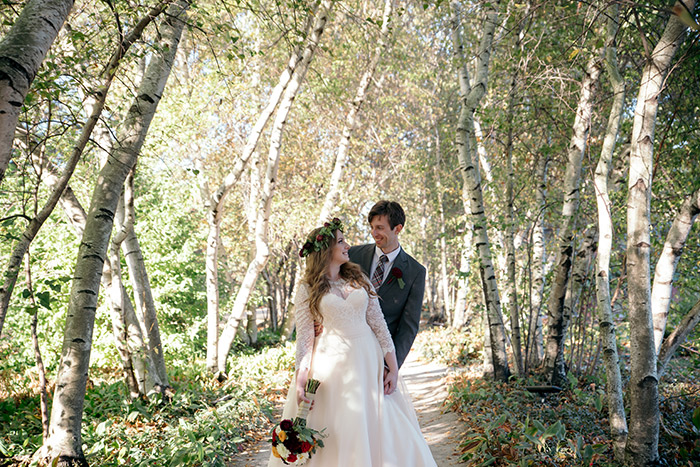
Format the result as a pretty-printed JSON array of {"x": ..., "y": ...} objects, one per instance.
[{"x": 365, "y": 428}]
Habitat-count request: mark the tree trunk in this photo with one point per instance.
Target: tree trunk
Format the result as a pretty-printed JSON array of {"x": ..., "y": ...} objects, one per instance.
[
  {"x": 351, "y": 118},
  {"x": 22, "y": 51},
  {"x": 643, "y": 439},
  {"x": 215, "y": 202},
  {"x": 557, "y": 323},
  {"x": 459, "y": 315},
  {"x": 535, "y": 347},
  {"x": 146, "y": 312},
  {"x": 470, "y": 96},
  {"x": 35, "y": 224},
  {"x": 122, "y": 223},
  {"x": 212, "y": 280},
  {"x": 117, "y": 295},
  {"x": 616, "y": 408},
  {"x": 579, "y": 274},
  {"x": 262, "y": 251},
  {"x": 64, "y": 440},
  {"x": 145, "y": 319},
  {"x": 666, "y": 265},
  {"x": 512, "y": 286},
  {"x": 43, "y": 396}
]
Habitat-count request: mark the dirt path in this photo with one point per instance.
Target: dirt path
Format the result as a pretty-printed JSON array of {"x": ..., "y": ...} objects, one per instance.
[{"x": 428, "y": 387}]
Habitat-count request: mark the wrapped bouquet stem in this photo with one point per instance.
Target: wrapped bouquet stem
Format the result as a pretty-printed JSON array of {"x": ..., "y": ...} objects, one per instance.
[
  {"x": 303, "y": 411},
  {"x": 292, "y": 441}
]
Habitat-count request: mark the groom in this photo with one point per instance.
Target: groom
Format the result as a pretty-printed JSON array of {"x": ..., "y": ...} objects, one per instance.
[{"x": 398, "y": 278}]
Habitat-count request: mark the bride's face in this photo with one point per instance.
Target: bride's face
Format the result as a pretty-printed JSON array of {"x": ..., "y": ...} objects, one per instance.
[{"x": 339, "y": 255}]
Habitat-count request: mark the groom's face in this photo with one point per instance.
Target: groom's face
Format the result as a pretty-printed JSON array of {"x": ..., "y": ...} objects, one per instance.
[{"x": 384, "y": 236}]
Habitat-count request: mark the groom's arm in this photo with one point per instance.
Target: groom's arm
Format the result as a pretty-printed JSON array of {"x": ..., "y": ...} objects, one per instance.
[{"x": 410, "y": 317}]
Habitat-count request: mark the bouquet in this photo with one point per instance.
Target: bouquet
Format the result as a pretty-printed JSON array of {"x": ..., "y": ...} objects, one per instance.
[{"x": 292, "y": 441}]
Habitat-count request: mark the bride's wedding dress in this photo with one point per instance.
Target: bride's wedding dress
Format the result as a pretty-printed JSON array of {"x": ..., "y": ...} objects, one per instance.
[{"x": 365, "y": 428}]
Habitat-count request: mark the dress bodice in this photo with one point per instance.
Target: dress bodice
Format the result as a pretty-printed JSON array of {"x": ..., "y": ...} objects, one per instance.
[{"x": 346, "y": 311}]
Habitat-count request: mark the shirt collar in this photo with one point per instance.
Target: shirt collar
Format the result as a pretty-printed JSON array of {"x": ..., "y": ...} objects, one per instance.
[{"x": 390, "y": 256}]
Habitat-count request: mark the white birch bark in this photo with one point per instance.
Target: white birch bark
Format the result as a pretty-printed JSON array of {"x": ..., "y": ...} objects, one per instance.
[
  {"x": 116, "y": 292},
  {"x": 643, "y": 439},
  {"x": 135, "y": 384},
  {"x": 557, "y": 323},
  {"x": 511, "y": 283},
  {"x": 535, "y": 346},
  {"x": 616, "y": 408},
  {"x": 470, "y": 96},
  {"x": 146, "y": 313},
  {"x": 666, "y": 265},
  {"x": 64, "y": 443},
  {"x": 459, "y": 315},
  {"x": 15, "y": 262},
  {"x": 262, "y": 250},
  {"x": 211, "y": 265},
  {"x": 145, "y": 318},
  {"x": 341, "y": 158},
  {"x": 22, "y": 51},
  {"x": 214, "y": 203}
]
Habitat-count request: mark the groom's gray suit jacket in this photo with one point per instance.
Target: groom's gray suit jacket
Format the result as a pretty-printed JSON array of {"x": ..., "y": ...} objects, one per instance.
[{"x": 401, "y": 307}]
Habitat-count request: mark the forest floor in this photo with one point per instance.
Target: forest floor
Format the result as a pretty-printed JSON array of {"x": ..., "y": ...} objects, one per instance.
[{"x": 427, "y": 383}]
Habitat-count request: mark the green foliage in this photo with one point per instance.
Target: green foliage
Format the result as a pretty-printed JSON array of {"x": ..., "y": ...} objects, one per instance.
[
  {"x": 201, "y": 425},
  {"x": 509, "y": 426},
  {"x": 448, "y": 345}
]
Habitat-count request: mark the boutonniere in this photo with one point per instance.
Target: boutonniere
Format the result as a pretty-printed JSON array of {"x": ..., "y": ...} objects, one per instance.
[{"x": 398, "y": 274}]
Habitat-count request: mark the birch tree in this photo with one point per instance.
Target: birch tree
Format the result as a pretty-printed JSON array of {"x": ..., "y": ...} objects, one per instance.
[
  {"x": 22, "y": 51},
  {"x": 470, "y": 96},
  {"x": 643, "y": 439},
  {"x": 117, "y": 295},
  {"x": 557, "y": 323},
  {"x": 214, "y": 202},
  {"x": 535, "y": 348},
  {"x": 122, "y": 225},
  {"x": 262, "y": 250},
  {"x": 668, "y": 261},
  {"x": 15, "y": 262},
  {"x": 616, "y": 409},
  {"x": 341, "y": 158},
  {"x": 146, "y": 315},
  {"x": 64, "y": 443}
]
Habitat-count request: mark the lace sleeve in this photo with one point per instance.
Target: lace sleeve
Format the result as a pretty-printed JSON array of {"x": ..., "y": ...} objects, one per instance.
[
  {"x": 305, "y": 328},
  {"x": 376, "y": 321}
]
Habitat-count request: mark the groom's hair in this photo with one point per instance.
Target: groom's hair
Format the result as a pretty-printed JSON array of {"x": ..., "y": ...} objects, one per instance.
[{"x": 391, "y": 209}]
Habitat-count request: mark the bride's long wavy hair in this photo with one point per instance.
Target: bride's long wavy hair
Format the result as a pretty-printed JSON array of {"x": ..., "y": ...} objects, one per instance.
[{"x": 316, "y": 277}]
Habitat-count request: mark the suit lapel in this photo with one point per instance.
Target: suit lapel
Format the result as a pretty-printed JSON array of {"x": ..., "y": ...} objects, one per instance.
[
  {"x": 366, "y": 257},
  {"x": 401, "y": 262}
]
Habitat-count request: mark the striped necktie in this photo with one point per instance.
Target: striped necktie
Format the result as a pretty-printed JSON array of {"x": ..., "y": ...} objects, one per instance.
[{"x": 378, "y": 276}]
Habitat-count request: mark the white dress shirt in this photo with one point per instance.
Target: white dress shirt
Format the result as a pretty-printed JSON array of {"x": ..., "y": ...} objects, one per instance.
[{"x": 387, "y": 266}]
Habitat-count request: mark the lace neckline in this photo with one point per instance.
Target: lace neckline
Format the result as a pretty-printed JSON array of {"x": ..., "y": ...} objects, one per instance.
[{"x": 339, "y": 287}]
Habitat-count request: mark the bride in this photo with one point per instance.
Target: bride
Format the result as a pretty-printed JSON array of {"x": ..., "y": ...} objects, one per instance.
[{"x": 368, "y": 421}]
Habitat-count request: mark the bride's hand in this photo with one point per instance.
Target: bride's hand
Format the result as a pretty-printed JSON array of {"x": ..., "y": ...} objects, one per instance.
[
  {"x": 302, "y": 377},
  {"x": 390, "y": 381}
]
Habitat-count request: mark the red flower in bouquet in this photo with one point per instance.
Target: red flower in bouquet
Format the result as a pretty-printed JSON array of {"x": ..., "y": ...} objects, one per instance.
[
  {"x": 398, "y": 274},
  {"x": 292, "y": 441}
]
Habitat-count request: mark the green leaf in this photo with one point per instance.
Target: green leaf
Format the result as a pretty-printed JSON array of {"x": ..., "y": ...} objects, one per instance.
[
  {"x": 101, "y": 428},
  {"x": 44, "y": 299},
  {"x": 696, "y": 418}
]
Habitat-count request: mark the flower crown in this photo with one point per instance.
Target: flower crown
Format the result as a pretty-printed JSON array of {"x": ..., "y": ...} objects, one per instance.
[{"x": 322, "y": 239}]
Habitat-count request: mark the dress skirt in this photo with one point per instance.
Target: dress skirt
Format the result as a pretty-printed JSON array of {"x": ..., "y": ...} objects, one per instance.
[{"x": 364, "y": 427}]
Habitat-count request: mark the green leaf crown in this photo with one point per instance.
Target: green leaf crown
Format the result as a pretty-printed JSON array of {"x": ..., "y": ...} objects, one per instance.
[{"x": 322, "y": 239}]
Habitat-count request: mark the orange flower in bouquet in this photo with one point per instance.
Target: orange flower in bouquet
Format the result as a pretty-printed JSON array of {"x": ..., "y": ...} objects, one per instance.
[{"x": 292, "y": 441}]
